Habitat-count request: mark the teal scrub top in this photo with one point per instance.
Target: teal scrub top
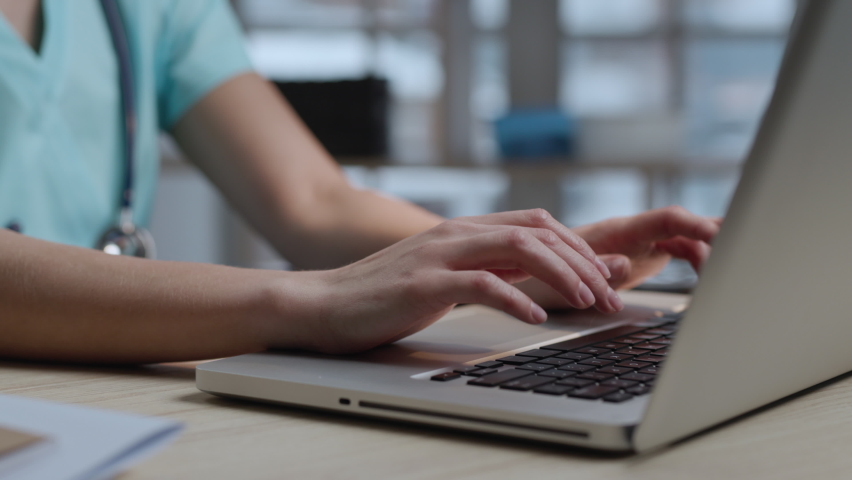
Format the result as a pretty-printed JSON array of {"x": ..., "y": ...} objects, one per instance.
[{"x": 61, "y": 162}]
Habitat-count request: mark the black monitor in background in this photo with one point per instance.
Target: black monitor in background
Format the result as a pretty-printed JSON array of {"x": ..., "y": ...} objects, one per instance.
[{"x": 349, "y": 117}]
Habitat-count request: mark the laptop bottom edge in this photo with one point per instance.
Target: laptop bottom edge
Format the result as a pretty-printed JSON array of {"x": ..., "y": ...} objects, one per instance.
[{"x": 604, "y": 438}]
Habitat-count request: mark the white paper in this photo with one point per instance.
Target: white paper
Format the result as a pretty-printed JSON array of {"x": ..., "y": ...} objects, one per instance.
[{"x": 87, "y": 443}]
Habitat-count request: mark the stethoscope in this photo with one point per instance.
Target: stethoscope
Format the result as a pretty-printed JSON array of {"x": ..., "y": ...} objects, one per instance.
[{"x": 124, "y": 238}]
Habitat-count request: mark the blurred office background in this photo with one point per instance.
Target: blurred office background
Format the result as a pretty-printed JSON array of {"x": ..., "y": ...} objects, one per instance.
[{"x": 589, "y": 108}]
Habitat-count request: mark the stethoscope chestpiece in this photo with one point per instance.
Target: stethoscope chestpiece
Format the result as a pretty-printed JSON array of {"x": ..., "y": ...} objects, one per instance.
[
  {"x": 127, "y": 239},
  {"x": 132, "y": 242}
]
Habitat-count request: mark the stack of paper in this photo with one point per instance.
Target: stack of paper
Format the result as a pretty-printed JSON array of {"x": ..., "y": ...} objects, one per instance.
[{"x": 47, "y": 440}]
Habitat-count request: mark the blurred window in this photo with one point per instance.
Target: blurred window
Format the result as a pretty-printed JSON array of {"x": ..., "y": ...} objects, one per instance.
[
  {"x": 306, "y": 54},
  {"x": 610, "y": 17},
  {"x": 728, "y": 82},
  {"x": 614, "y": 78},
  {"x": 489, "y": 14},
  {"x": 326, "y": 40},
  {"x": 711, "y": 64},
  {"x": 740, "y": 16}
]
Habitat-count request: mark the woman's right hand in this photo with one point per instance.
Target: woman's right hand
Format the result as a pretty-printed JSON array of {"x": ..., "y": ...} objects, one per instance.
[{"x": 411, "y": 284}]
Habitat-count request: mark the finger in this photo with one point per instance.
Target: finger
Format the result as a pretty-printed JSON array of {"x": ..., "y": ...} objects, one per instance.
[
  {"x": 540, "y": 218},
  {"x": 543, "y": 255},
  {"x": 620, "y": 267},
  {"x": 487, "y": 289},
  {"x": 673, "y": 221},
  {"x": 694, "y": 251},
  {"x": 606, "y": 299},
  {"x": 510, "y": 275}
]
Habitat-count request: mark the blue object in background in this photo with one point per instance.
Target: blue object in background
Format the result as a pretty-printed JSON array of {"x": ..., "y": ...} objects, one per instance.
[{"x": 535, "y": 133}]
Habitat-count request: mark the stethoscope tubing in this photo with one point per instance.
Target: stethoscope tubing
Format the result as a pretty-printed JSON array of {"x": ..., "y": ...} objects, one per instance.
[{"x": 128, "y": 103}]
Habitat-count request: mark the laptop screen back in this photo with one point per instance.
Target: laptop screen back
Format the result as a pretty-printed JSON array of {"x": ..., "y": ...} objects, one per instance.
[{"x": 771, "y": 315}]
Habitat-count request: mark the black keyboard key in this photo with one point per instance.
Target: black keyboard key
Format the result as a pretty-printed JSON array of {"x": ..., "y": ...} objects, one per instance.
[
  {"x": 536, "y": 367},
  {"x": 650, "y": 358},
  {"x": 662, "y": 341},
  {"x": 630, "y": 340},
  {"x": 617, "y": 397},
  {"x": 615, "y": 357},
  {"x": 537, "y": 353},
  {"x": 516, "y": 360},
  {"x": 500, "y": 377},
  {"x": 662, "y": 353},
  {"x": 597, "y": 362},
  {"x": 575, "y": 356},
  {"x": 557, "y": 373},
  {"x": 575, "y": 382},
  {"x": 593, "y": 392},
  {"x": 608, "y": 345},
  {"x": 446, "y": 376},
  {"x": 596, "y": 376},
  {"x": 638, "y": 390},
  {"x": 481, "y": 372},
  {"x": 650, "y": 370},
  {"x": 620, "y": 383},
  {"x": 634, "y": 364},
  {"x": 558, "y": 362},
  {"x": 614, "y": 370},
  {"x": 594, "y": 338},
  {"x": 637, "y": 377},
  {"x": 577, "y": 368},
  {"x": 490, "y": 364},
  {"x": 593, "y": 350},
  {"x": 464, "y": 370},
  {"x": 527, "y": 383},
  {"x": 632, "y": 351},
  {"x": 554, "y": 389},
  {"x": 649, "y": 346}
]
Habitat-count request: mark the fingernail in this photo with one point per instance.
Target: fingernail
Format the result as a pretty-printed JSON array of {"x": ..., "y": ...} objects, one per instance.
[
  {"x": 614, "y": 300},
  {"x": 538, "y": 313},
  {"x": 603, "y": 268},
  {"x": 586, "y": 295}
]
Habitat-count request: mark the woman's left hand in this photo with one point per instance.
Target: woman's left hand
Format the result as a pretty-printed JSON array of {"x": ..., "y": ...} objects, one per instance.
[{"x": 636, "y": 248}]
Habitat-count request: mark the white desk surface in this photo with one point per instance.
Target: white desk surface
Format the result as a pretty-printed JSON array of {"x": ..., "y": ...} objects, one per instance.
[{"x": 806, "y": 437}]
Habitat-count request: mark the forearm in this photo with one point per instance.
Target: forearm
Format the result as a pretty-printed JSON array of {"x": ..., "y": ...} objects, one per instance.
[
  {"x": 65, "y": 303},
  {"x": 250, "y": 143},
  {"x": 359, "y": 223}
]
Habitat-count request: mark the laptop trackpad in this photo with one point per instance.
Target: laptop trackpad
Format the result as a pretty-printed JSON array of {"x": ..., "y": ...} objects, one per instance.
[{"x": 473, "y": 332}]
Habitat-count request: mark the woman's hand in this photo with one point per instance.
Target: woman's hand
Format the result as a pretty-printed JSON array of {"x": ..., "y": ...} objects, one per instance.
[
  {"x": 638, "y": 247},
  {"x": 411, "y": 284}
]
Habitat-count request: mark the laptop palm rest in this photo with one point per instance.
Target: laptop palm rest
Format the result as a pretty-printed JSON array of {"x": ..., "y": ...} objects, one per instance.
[{"x": 475, "y": 333}]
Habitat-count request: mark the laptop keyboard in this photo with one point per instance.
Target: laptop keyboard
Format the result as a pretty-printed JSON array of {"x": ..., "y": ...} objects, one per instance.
[{"x": 614, "y": 365}]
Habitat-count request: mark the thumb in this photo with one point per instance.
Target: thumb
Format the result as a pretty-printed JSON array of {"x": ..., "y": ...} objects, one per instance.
[{"x": 619, "y": 266}]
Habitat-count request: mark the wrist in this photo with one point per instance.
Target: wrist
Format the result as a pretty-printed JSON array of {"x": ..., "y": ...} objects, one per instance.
[{"x": 292, "y": 305}]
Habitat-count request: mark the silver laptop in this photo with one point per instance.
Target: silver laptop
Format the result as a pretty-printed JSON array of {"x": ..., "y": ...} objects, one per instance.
[{"x": 770, "y": 316}]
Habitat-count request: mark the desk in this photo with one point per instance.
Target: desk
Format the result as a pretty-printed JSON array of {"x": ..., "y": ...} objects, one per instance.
[{"x": 807, "y": 437}]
